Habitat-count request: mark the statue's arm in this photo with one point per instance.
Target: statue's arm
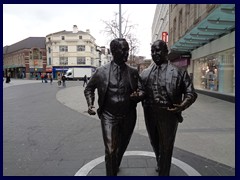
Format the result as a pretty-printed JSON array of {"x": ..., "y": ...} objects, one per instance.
[
  {"x": 189, "y": 94},
  {"x": 139, "y": 94},
  {"x": 89, "y": 93},
  {"x": 188, "y": 91}
]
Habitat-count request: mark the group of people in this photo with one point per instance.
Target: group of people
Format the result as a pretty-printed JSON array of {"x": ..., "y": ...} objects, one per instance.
[
  {"x": 164, "y": 90},
  {"x": 45, "y": 77},
  {"x": 61, "y": 80}
]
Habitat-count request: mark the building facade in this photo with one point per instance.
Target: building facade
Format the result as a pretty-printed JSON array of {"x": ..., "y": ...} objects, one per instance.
[
  {"x": 104, "y": 55},
  {"x": 160, "y": 23},
  {"x": 25, "y": 59},
  {"x": 202, "y": 38},
  {"x": 67, "y": 49}
]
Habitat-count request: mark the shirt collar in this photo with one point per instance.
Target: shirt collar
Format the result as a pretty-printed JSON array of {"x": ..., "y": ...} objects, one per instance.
[{"x": 115, "y": 66}]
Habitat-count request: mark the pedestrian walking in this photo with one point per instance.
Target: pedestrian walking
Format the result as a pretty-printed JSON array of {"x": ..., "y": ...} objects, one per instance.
[
  {"x": 59, "y": 79},
  {"x": 8, "y": 78},
  {"x": 85, "y": 80},
  {"x": 51, "y": 78},
  {"x": 45, "y": 78},
  {"x": 64, "y": 81},
  {"x": 42, "y": 77}
]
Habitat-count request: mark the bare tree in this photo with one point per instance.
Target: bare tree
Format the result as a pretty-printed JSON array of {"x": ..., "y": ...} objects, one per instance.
[{"x": 112, "y": 31}]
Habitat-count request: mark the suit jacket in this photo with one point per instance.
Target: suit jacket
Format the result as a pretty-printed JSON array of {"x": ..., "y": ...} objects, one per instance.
[
  {"x": 178, "y": 85},
  {"x": 100, "y": 81}
]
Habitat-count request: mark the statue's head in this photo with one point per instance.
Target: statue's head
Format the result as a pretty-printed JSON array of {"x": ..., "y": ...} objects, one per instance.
[
  {"x": 159, "y": 52},
  {"x": 120, "y": 50}
]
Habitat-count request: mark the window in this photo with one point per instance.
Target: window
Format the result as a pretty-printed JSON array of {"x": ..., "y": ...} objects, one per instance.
[
  {"x": 49, "y": 61},
  {"x": 92, "y": 61},
  {"x": 80, "y": 37},
  {"x": 40, "y": 55},
  {"x": 92, "y": 49},
  {"x": 174, "y": 30},
  {"x": 180, "y": 24},
  {"x": 49, "y": 50},
  {"x": 187, "y": 15},
  {"x": 30, "y": 54},
  {"x": 35, "y": 54},
  {"x": 63, "y": 48},
  {"x": 63, "y": 37},
  {"x": 196, "y": 12},
  {"x": 81, "y": 60},
  {"x": 63, "y": 61},
  {"x": 81, "y": 48}
]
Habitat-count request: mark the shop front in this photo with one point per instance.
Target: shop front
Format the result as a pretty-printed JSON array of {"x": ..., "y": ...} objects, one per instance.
[
  {"x": 15, "y": 71},
  {"x": 57, "y": 69},
  {"x": 216, "y": 72},
  {"x": 35, "y": 73}
]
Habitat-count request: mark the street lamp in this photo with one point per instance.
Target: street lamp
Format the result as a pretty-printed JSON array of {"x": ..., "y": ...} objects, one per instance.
[
  {"x": 120, "y": 21},
  {"x": 63, "y": 60}
]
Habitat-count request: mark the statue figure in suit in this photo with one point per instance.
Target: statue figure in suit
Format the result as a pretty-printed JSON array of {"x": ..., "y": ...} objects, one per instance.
[
  {"x": 166, "y": 91},
  {"x": 115, "y": 82}
]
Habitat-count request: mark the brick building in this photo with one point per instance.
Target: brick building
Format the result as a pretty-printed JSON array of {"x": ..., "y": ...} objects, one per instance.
[{"x": 25, "y": 59}]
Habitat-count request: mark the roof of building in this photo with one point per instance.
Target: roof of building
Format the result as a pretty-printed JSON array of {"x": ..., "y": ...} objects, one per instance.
[
  {"x": 28, "y": 43},
  {"x": 67, "y": 32}
]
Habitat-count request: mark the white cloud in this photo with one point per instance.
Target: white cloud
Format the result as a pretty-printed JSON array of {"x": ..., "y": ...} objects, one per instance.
[{"x": 21, "y": 21}]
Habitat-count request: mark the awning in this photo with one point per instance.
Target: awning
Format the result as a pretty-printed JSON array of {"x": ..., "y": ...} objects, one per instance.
[
  {"x": 218, "y": 23},
  {"x": 13, "y": 66}
]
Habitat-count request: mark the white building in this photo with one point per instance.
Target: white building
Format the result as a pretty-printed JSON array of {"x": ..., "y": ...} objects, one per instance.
[{"x": 67, "y": 49}]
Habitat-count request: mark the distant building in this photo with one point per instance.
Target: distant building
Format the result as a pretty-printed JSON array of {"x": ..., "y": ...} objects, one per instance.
[
  {"x": 135, "y": 61},
  {"x": 144, "y": 64},
  {"x": 67, "y": 49},
  {"x": 26, "y": 58},
  {"x": 104, "y": 55}
]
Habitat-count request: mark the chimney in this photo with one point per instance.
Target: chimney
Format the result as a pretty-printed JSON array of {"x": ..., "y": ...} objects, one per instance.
[
  {"x": 75, "y": 29},
  {"x": 88, "y": 31}
]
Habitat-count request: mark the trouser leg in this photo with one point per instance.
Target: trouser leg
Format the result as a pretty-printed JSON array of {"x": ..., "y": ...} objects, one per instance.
[
  {"x": 167, "y": 127},
  {"x": 110, "y": 130},
  {"x": 151, "y": 126},
  {"x": 125, "y": 133}
]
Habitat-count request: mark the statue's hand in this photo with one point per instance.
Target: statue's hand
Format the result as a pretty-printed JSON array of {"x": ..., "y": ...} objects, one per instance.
[
  {"x": 176, "y": 108},
  {"x": 91, "y": 111},
  {"x": 136, "y": 96}
]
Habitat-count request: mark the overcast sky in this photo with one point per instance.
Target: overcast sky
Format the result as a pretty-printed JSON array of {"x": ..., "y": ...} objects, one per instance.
[{"x": 21, "y": 21}]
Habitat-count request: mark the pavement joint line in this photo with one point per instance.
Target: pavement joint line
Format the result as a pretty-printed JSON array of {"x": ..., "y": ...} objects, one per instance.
[{"x": 190, "y": 171}]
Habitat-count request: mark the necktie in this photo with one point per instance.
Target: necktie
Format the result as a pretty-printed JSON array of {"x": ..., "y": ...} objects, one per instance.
[{"x": 118, "y": 74}]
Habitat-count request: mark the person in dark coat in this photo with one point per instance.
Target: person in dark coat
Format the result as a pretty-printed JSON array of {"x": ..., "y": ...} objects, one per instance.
[
  {"x": 8, "y": 78},
  {"x": 166, "y": 91},
  {"x": 85, "y": 80},
  {"x": 64, "y": 80},
  {"x": 115, "y": 82},
  {"x": 45, "y": 78}
]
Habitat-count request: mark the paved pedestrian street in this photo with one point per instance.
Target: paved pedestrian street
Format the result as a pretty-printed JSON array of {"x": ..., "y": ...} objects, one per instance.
[{"x": 47, "y": 132}]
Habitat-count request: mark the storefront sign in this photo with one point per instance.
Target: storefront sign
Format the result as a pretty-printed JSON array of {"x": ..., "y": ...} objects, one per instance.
[{"x": 49, "y": 69}]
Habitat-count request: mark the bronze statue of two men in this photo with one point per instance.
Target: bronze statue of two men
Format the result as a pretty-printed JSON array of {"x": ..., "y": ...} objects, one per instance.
[{"x": 165, "y": 91}]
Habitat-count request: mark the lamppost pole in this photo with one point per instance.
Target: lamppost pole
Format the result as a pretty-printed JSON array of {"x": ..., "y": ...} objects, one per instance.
[
  {"x": 63, "y": 60},
  {"x": 120, "y": 22}
]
